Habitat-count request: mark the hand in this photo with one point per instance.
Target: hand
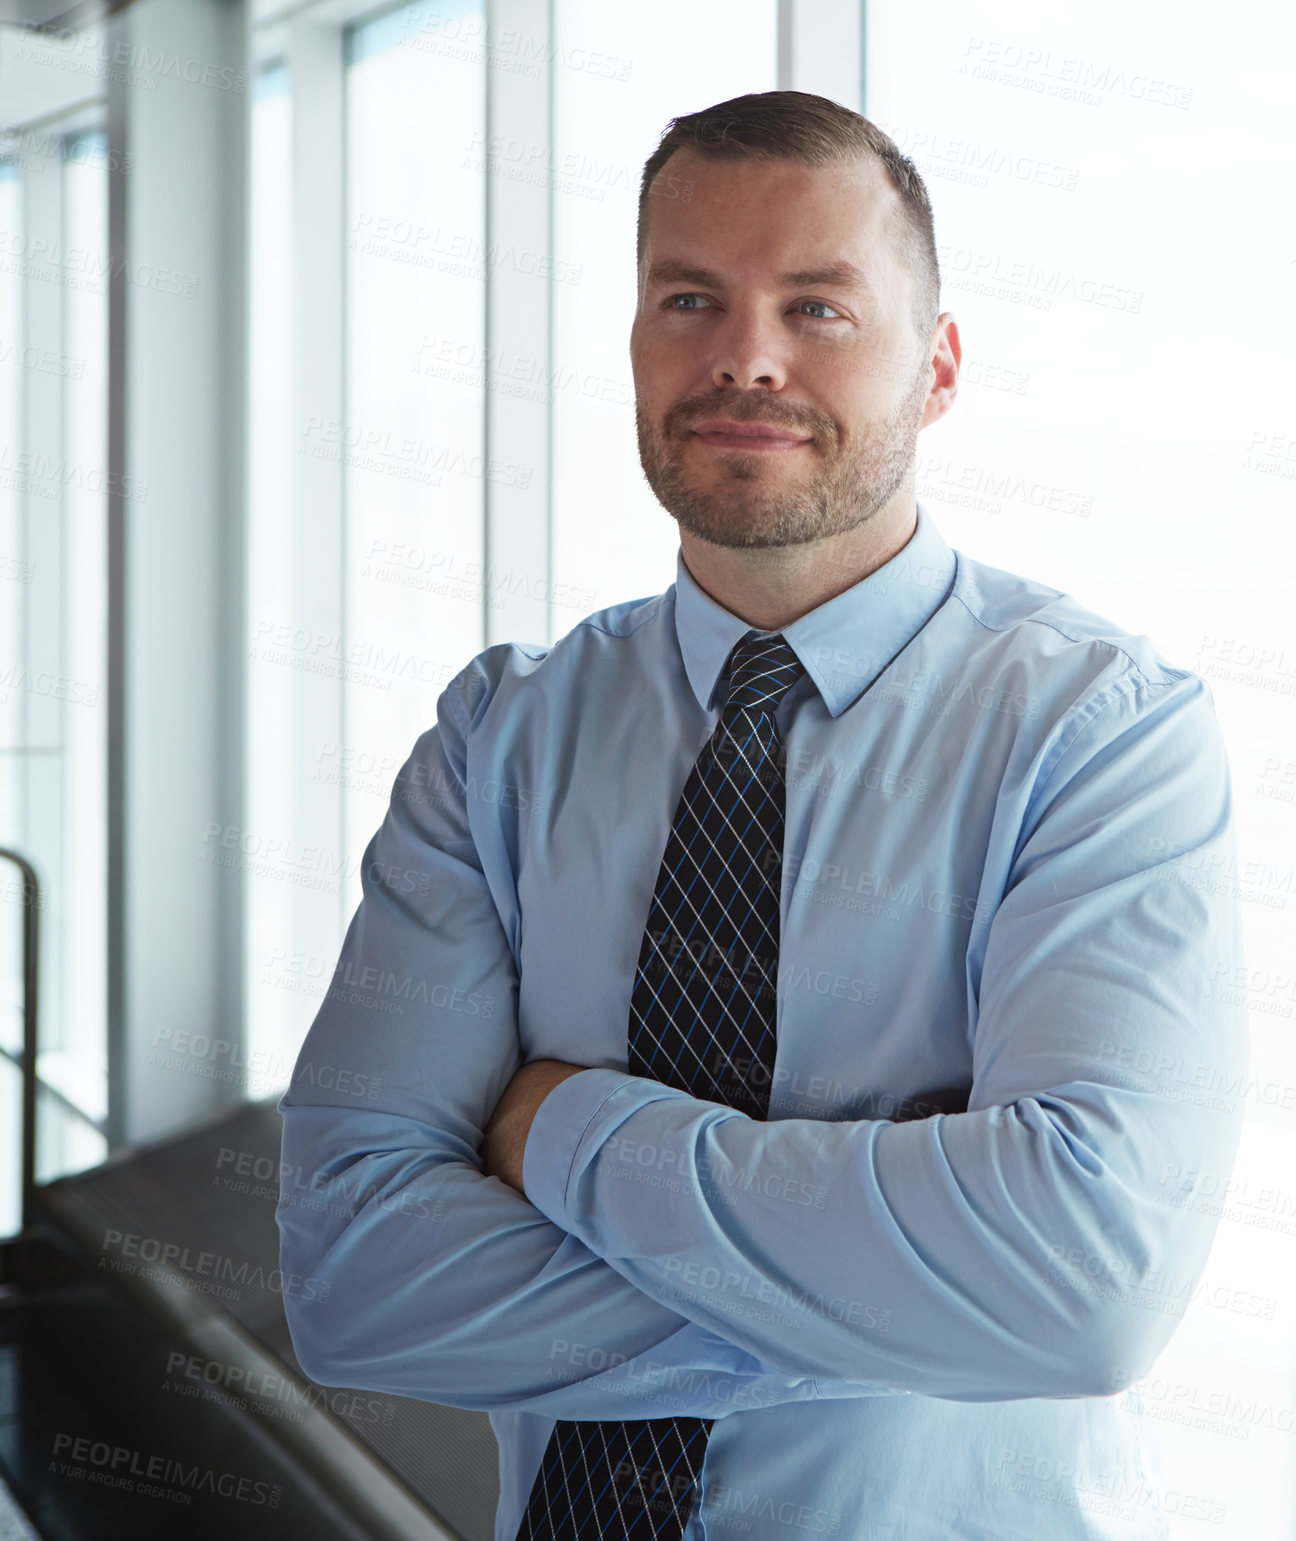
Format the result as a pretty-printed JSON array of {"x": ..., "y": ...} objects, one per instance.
[{"x": 505, "y": 1136}]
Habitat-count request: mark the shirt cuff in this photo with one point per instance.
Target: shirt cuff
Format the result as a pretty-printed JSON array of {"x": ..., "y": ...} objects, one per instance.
[{"x": 555, "y": 1133}]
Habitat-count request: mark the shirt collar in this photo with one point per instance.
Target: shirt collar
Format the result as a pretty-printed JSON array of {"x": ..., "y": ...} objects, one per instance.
[{"x": 844, "y": 643}]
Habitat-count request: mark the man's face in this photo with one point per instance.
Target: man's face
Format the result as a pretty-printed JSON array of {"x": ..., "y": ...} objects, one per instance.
[{"x": 742, "y": 327}]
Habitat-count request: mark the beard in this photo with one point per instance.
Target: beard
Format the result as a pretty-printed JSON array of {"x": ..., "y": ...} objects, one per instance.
[{"x": 747, "y": 500}]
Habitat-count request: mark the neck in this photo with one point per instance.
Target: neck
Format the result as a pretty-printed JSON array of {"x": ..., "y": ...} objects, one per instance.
[{"x": 769, "y": 587}]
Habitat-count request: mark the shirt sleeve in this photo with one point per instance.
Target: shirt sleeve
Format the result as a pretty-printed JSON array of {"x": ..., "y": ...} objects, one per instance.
[
  {"x": 1037, "y": 1245},
  {"x": 408, "y": 1271}
]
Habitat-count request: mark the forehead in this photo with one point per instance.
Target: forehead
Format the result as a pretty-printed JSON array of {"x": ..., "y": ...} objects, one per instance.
[{"x": 776, "y": 213}]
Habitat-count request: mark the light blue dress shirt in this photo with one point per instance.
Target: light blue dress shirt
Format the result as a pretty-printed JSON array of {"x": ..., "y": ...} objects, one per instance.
[{"x": 909, "y": 1296}]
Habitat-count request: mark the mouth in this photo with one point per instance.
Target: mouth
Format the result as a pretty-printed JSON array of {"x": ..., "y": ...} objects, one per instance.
[{"x": 762, "y": 438}]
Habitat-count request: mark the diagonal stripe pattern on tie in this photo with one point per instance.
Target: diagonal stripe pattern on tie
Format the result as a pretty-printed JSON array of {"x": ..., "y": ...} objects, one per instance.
[{"x": 702, "y": 1018}]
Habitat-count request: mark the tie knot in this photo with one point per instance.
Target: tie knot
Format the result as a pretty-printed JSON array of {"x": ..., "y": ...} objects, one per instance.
[{"x": 761, "y": 671}]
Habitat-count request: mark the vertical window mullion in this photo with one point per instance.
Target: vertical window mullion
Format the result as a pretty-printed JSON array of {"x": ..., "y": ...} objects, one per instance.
[{"x": 517, "y": 265}]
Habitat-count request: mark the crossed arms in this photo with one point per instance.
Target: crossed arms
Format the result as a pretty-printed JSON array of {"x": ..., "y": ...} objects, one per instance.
[{"x": 961, "y": 1245}]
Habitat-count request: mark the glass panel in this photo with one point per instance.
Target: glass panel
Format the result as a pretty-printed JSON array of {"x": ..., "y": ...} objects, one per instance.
[
  {"x": 76, "y": 1059},
  {"x": 53, "y": 761},
  {"x": 413, "y": 436},
  {"x": 15, "y": 580},
  {"x": 271, "y": 1013},
  {"x": 619, "y": 81}
]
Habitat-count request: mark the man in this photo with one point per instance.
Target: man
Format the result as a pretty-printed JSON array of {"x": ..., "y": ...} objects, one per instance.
[{"x": 840, "y": 903}]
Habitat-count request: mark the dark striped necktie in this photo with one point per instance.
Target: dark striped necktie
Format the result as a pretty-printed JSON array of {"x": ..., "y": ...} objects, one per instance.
[{"x": 702, "y": 1018}]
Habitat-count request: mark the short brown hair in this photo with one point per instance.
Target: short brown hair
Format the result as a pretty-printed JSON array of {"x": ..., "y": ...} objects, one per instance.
[{"x": 795, "y": 125}]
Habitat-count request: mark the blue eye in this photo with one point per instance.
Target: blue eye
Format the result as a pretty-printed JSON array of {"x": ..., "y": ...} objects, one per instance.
[{"x": 673, "y": 304}]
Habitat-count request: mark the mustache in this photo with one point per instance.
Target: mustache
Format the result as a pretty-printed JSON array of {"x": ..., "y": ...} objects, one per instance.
[{"x": 746, "y": 409}]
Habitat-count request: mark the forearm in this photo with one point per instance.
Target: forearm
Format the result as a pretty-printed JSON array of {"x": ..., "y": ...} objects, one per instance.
[
  {"x": 432, "y": 1281},
  {"x": 939, "y": 1264}
]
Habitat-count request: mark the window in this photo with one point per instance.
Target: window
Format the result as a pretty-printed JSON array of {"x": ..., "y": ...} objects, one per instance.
[
  {"x": 53, "y": 636},
  {"x": 367, "y": 494},
  {"x": 413, "y": 436},
  {"x": 15, "y": 570},
  {"x": 274, "y": 1012}
]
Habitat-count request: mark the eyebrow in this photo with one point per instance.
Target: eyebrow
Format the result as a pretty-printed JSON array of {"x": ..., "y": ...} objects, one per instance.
[{"x": 842, "y": 273}]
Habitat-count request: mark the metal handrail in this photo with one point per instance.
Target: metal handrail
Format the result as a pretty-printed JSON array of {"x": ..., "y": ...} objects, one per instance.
[{"x": 31, "y": 1032}]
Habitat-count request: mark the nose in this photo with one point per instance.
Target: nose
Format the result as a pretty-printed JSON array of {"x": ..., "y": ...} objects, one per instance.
[{"x": 747, "y": 353}]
